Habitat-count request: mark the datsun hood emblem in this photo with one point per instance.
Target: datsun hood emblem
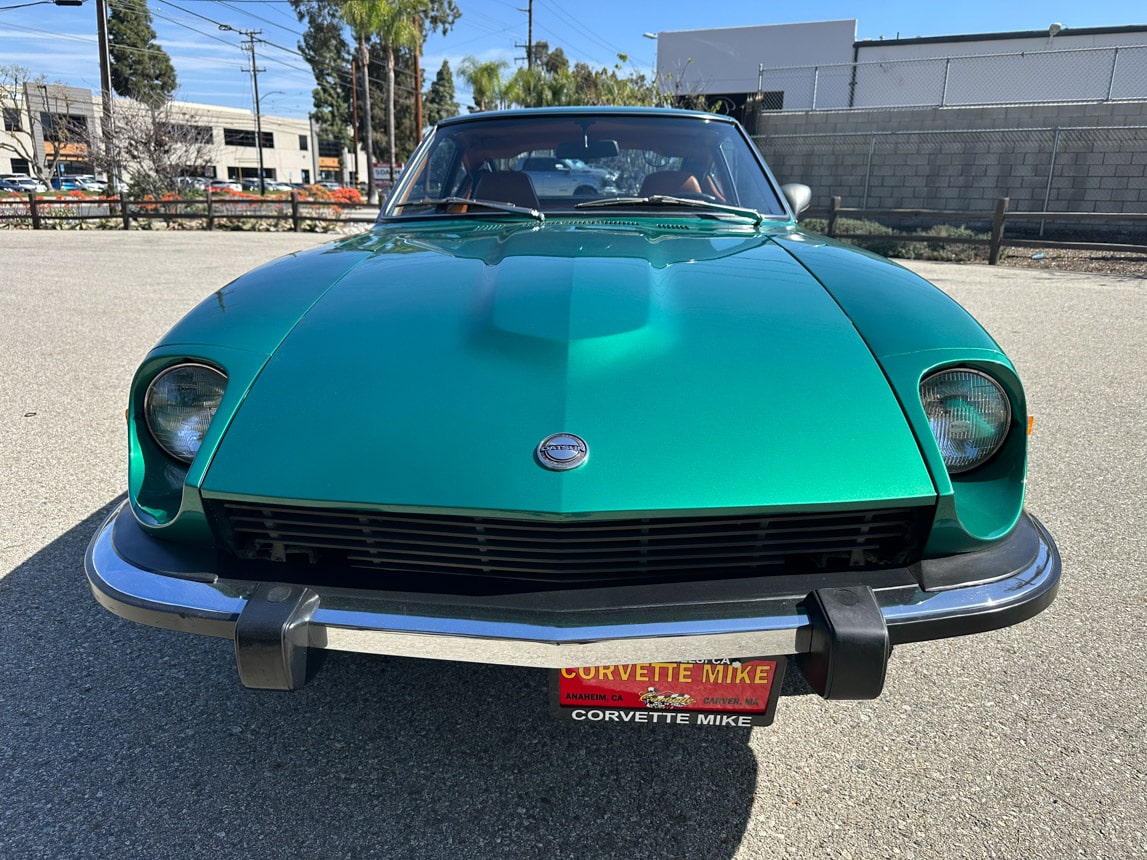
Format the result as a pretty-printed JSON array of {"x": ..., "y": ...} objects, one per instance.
[{"x": 562, "y": 452}]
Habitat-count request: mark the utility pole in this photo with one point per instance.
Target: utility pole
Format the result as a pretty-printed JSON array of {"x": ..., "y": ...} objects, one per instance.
[
  {"x": 108, "y": 127},
  {"x": 529, "y": 46},
  {"x": 417, "y": 80},
  {"x": 254, "y": 70},
  {"x": 354, "y": 123}
]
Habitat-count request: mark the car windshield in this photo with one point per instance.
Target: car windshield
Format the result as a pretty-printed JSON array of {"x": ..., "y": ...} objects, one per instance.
[{"x": 586, "y": 163}]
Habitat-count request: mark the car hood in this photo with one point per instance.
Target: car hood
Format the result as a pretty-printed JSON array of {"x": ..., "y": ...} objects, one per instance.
[{"x": 703, "y": 370}]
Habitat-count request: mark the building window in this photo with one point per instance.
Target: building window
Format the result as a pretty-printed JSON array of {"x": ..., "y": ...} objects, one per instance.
[
  {"x": 246, "y": 137},
  {"x": 192, "y": 134},
  {"x": 12, "y": 119},
  {"x": 64, "y": 127},
  {"x": 304, "y": 143}
]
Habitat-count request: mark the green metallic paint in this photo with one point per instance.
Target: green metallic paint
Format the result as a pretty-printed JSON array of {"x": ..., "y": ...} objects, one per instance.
[
  {"x": 236, "y": 329},
  {"x": 913, "y": 329},
  {"x": 706, "y": 367},
  {"x": 713, "y": 378},
  {"x": 160, "y": 487},
  {"x": 255, "y": 312},
  {"x": 896, "y": 310}
]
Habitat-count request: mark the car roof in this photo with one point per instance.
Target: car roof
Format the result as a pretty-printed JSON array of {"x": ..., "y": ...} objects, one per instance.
[{"x": 583, "y": 110}]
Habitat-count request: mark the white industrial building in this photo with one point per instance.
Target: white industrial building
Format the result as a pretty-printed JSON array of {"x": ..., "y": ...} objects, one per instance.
[{"x": 822, "y": 66}]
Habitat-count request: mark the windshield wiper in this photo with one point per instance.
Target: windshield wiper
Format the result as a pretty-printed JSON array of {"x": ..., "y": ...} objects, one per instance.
[
  {"x": 669, "y": 200},
  {"x": 467, "y": 201}
]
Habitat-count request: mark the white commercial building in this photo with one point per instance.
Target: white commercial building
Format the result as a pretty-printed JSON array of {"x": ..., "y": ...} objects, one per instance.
[{"x": 59, "y": 130}]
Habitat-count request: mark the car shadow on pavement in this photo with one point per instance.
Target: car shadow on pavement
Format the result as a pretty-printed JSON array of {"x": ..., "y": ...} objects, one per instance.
[{"x": 128, "y": 741}]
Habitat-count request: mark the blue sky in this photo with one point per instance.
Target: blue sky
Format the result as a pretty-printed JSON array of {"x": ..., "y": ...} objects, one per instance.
[{"x": 59, "y": 42}]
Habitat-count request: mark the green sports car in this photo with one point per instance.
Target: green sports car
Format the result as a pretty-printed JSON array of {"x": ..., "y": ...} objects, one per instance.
[{"x": 655, "y": 438}]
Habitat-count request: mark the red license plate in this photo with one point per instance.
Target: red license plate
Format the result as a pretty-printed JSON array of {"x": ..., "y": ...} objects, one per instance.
[{"x": 703, "y": 693}]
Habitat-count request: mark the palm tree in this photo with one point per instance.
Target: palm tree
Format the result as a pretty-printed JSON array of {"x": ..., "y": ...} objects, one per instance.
[
  {"x": 363, "y": 17},
  {"x": 398, "y": 29},
  {"x": 529, "y": 87},
  {"x": 393, "y": 23},
  {"x": 485, "y": 81}
]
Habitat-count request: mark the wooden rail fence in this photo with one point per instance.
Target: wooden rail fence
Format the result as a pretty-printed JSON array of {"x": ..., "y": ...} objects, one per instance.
[
  {"x": 212, "y": 208},
  {"x": 998, "y": 219},
  {"x": 41, "y": 210}
]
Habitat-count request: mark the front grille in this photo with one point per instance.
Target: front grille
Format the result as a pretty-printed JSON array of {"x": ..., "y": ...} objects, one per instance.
[{"x": 571, "y": 551}]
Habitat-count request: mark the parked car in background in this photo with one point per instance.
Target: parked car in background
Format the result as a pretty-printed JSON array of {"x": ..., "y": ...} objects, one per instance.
[
  {"x": 555, "y": 177},
  {"x": 268, "y": 185},
  {"x": 7, "y": 186},
  {"x": 88, "y": 182},
  {"x": 657, "y": 439},
  {"x": 225, "y": 185},
  {"x": 193, "y": 183},
  {"x": 608, "y": 176},
  {"x": 67, "y": 183},
  {"x": 26, "y": 182}
]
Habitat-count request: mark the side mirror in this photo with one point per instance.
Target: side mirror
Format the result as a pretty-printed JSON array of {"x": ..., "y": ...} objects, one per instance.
[{"x": 799, "y": 196}]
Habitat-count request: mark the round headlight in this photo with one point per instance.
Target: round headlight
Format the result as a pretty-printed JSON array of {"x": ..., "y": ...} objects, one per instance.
[
  {"x": 179, "y": 407},
  {"x": 970, "y": 415}
]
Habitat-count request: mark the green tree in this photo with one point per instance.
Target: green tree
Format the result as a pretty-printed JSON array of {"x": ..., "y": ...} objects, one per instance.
[
  {"x": 364, "y": 19},
  {"x": 439, "y": 102},
  {"x": 327, "y": 52},
  {"x": 529, "y": 87},
  {"x": 551, "y": 81},
  {"x": 140, "y": 68},
  {"x": 397, "y": 29},
  {"x": 486, "y": 84},
  {"x": 406, "y": 131},
  {"x": 378, "y": 58}
]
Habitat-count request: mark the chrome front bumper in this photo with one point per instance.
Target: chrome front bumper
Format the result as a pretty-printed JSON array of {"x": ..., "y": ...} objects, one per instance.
[{"x": 276, "y": 625}]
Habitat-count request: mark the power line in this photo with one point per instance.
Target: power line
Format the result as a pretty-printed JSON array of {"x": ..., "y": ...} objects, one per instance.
[
  {"x": 282, "y": 62},
  {"x": 259, "y": 18},
  {"x": 293, "y": 52},
  {"x": 581, "y": 28}
]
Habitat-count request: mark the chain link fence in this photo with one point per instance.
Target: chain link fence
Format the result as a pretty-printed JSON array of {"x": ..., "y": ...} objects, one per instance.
[{"x": 1028, "y": 77}]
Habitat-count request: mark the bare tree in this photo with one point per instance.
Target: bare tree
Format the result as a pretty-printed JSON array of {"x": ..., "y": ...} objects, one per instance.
[
  {"x": 46, "y": 123},
  {"x": 156, "y": 144}
]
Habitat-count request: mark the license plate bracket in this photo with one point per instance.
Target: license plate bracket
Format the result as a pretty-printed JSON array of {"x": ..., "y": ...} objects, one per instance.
[{"x": 730, "y": 692}]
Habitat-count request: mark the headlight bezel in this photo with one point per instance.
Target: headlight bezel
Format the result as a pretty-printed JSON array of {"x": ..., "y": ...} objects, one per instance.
[
  {"x": 164, "y": 439},
  {"x": 1004, "y": 408}
]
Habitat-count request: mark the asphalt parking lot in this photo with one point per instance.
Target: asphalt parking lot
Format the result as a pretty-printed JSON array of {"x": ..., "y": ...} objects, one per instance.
[{"x": 127, "y": 742}]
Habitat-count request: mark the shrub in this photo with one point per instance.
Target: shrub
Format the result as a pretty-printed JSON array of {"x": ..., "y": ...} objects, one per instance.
[
  {"x": 349, "y": 196},
  {"x": 916, "y": 249}
]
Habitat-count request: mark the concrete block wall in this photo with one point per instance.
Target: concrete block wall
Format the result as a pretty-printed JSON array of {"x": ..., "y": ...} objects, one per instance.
[{"x": 1071, "y": 157}]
